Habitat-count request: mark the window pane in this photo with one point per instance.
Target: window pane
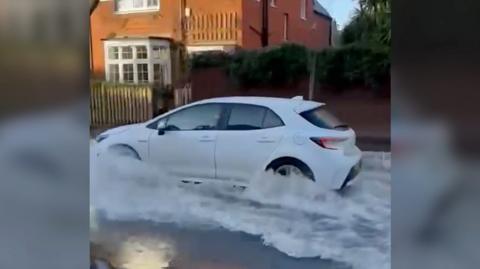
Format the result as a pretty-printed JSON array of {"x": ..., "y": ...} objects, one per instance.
[
  {"x": 113, "y": 53},
  {"x": 127, "y": 53},
  {"x": 152, "y": 3},
  {"x": 203, "y": 117},
  {"x": 142, "y": 70},
  {"x": 322, "y": 118},
  {"x": 114, "y": 73},
  {"x": 303, "y": 9},
  {"x": 246, "y": 117},
  {"x": 160, "y": 52},
  {"x": 138, "y": 3},
  {"x": 123, "y": 5},
  {"x": 158, "y": 74},
  {"x": 156, "y": 52},
  {"x": 128, "y": 73},
  {"x": 142, "y": 52},
  {"x": 272, "y": 120}
]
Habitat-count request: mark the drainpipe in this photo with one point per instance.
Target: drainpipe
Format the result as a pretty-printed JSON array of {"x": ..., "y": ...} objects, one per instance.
[{"x": 265, "y": 26}]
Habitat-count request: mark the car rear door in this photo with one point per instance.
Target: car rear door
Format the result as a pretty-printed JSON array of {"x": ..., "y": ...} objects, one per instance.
[
  {"x": 251, "y": 134},
  {"x": 187, "y": 148}
]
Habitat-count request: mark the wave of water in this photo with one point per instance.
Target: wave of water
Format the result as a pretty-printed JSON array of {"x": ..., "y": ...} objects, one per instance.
[{"x": 293, "y": 215}]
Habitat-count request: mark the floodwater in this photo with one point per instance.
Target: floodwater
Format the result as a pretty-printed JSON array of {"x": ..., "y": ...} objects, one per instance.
[{"x": 141, "y": 219}]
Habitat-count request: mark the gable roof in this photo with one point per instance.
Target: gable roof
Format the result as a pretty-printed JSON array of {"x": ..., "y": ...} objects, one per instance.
[{"x": 320, "y": 10}]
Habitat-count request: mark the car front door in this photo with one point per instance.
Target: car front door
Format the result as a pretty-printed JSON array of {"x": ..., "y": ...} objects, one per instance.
[
  {"x": 186, "y": 147},
  {"x": 251, "y": 135}
]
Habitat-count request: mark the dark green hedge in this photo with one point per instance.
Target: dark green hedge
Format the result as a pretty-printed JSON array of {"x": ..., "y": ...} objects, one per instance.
[
  {"x": 354, "y": 65},
  {"x": 210, "y": 59},
  {"x": 275, "y": 66},
  {"x": 338, "y": 68}
]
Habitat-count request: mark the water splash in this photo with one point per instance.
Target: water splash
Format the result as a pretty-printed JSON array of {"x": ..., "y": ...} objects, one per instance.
[{"x": 294, "y": 215}]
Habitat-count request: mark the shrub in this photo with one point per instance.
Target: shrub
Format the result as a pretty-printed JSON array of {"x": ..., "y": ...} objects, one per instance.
[
  {"x": 210, "y": 59},
  {"x": 340, "y": 68},
  {"x": 274, "y": 66},
  {"x": 353, "y": 65}
]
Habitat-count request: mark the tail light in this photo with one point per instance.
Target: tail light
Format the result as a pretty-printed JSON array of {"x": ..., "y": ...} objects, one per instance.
[{"x": 332, "y": 143}]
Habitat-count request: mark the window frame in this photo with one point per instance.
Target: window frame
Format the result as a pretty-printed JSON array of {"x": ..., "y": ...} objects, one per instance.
[
  {"x": 132, "y": 9},
  {"x": 134, "y": 44},
  {"x": 222, "y": 123},
  {"x": 303, "y": 9},
  {"x": 286, "y": 27}
]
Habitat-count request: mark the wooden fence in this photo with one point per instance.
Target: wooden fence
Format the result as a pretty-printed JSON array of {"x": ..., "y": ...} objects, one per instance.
[
  {"x": 112, "y": 105},
  {"x": 213, "y": 27},
  {"x": 182, "y": 96}
]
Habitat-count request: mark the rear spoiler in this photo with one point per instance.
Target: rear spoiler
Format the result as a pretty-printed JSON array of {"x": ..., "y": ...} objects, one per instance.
[{"x": 304, "y": 105}]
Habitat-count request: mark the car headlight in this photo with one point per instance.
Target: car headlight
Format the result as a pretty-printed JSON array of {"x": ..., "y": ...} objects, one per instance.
[{"x": 101, "y": 137}]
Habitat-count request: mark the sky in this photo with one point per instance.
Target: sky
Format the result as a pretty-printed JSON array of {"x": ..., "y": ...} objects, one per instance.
[{"x": 340, "y": 10}]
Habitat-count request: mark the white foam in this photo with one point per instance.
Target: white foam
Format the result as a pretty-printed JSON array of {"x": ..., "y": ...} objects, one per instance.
[{"x": 293, "y": 215}]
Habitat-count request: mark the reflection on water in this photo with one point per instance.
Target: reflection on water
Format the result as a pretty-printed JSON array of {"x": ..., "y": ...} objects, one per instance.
[
  {"x": 143, "y": 253},
  {"x": 145, "y": 245},
  {"x": 132, "y": 249}
]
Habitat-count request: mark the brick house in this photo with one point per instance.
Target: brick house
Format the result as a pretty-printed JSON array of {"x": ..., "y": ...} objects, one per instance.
[{"x": 133, "y": 40}]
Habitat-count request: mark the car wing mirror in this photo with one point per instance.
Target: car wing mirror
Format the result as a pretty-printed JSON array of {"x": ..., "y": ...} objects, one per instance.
[{"x": 162, "y": 127}]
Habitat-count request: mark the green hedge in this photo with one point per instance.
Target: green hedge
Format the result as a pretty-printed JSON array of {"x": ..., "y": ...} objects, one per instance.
[
  {"x": 210, "y": 59},
  {"x": 338, "y": 68},
  {"x": 275, "y": 66},
  {"x": 354, "y": 65}
]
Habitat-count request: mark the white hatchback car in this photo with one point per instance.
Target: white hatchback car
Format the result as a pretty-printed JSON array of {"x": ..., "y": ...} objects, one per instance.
[{"x": 234, "y": 138}]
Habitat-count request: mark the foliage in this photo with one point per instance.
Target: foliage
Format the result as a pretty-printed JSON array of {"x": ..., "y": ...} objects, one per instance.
[
  {"x": 353, "y": 65},
  {"x": 210, "y": 59},
  {"x": 371, "y": 24},
  {"x": 275, "y": 66}
]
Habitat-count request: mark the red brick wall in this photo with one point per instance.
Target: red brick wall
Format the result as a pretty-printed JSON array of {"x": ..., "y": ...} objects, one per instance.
[
  {"x": 369, "y": 115},
  {"x": 314, "y": 32}
]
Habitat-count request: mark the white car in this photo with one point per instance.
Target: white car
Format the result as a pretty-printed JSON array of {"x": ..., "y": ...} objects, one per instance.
[{"x": 232, "y": 139}]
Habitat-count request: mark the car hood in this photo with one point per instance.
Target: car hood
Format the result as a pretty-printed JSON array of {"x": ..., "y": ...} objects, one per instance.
[{"x": 121, "y": 129}]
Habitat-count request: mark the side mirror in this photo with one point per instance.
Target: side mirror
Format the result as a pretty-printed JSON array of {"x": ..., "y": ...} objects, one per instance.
[{"x": 161, "y": 127}]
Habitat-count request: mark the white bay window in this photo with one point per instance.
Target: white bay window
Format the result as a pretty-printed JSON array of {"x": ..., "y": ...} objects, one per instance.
[{"x": 138, "y": 61}]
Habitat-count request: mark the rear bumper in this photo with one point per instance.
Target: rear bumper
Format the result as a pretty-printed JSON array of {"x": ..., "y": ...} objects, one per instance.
[{"x": 352, "y": 174}]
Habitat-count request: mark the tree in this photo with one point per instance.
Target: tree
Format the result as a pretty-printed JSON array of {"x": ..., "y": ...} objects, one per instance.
[{"x": 370, "y": 24}]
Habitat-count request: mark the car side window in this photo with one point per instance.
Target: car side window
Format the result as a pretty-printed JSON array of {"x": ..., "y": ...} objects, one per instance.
[
  {"x": 246, "y": 117},
  {"x": 272, "y": 120},
  {"x": 201, "y": 117}
]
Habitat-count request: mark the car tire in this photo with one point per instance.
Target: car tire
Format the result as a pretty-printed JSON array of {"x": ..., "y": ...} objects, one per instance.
[
  {"x": 125, "y": 151},
  {"x": 289, "y": 166}
]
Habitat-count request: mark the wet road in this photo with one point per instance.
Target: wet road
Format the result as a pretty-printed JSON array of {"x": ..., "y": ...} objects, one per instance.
[
  {"x": 140, "y": 219},
  {"x": 147, "y": 245}
]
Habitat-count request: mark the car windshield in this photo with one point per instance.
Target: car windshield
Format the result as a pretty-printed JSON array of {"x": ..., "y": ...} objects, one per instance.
[{"x": 322, "y": 118}]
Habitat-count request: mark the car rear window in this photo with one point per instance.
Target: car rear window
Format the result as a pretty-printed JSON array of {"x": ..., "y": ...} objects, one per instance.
[{"x": 322, "y": 118}]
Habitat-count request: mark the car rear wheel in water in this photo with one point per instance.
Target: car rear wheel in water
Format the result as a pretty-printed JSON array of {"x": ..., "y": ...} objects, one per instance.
[
  {"x": 291, "y": 167},
  {"x": 288, "y": 170}
]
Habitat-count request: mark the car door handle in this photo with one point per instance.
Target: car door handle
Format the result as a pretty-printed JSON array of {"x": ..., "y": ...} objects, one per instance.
[
  {"x": 265, "y": 139},
  {"x": 206, "y": 138}
]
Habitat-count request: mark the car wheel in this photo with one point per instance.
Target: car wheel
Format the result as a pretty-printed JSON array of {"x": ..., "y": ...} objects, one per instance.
[
  {"x": 288, "y": 170},
  {"x": 291, "y": 167},
  {"x": 125, "y": 151}
]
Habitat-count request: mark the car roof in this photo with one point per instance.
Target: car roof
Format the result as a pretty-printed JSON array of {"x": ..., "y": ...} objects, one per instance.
[{"x": 296, "y": 103}]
